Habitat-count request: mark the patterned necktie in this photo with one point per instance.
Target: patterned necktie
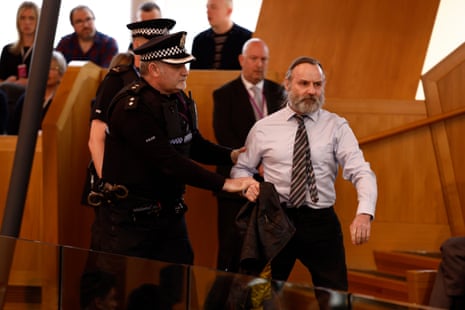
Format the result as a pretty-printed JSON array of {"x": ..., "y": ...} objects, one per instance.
[{"x": 302, "y": 169}]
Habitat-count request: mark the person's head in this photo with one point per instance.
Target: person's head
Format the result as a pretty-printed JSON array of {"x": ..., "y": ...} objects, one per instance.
[
  {"x": 97, "y": 290},
  {"x": 148, "y": 10},
  {"x": 122, "y": 59},
  {"x": 254, "y": 60},
  {"x": 219, "y": 14},
  {"x": 163, "y": 62},
  {"x": 305, "y": 85},
  {"x": 27, "y": 17},
  {"x": 143, "y": 31},
  {"x": 58, "y": 67},
  {"x": 82, "y": 19}
]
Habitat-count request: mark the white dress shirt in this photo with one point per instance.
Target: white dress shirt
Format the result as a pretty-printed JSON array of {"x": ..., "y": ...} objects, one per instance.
[{"x": 332, "y": 143}]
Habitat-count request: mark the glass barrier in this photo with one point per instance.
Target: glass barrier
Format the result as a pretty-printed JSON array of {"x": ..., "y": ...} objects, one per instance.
[
  {"x": 28, "y": 274},
  {"x": 45, "y": 276},
  {"x": 362, "y": 302},
  {"x": 133, "y": 283}
]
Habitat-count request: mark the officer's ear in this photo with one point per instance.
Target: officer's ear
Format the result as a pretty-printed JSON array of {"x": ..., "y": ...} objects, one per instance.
[{"x": 154, "y": 68}]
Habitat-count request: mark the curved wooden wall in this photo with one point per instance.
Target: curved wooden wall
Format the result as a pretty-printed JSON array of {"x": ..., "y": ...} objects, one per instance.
[
  {"x": 66, "y": 156},
  {"x": 370, "y": 49},
  {"x": 444, "y": 92}
]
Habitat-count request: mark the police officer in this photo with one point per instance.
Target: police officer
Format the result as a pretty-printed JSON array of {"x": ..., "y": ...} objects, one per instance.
[
  {"x": 150, "y": 149},
  {"x": 117, "y": 77}
]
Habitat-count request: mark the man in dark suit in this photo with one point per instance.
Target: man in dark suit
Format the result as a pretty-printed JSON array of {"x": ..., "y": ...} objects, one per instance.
[{"x": 237, "y": 106}]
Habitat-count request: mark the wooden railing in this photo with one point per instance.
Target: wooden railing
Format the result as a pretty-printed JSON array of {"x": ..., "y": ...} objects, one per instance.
[{"x": 411, "y": 126}]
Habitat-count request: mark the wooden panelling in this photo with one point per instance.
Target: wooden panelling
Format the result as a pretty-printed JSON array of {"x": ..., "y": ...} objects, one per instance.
[
  {"x": 370, "y": 49},
  {"x": 65, "y": 136},
  {"x": 27, "y": 274},
  {"x": 421, "y": 283},
  {"x": 31, "y": 227},
  {"x": 444, "y": 91},
  {"x": 202, "y": 214}
]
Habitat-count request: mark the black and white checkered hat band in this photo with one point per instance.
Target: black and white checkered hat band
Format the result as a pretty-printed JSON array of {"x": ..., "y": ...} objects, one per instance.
[
  {"x": 149, "y": 32},
  {"x": 172, "y": 51}
]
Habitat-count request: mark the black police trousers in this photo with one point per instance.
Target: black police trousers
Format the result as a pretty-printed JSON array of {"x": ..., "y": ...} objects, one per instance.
[{"x": 160, "y": 237}]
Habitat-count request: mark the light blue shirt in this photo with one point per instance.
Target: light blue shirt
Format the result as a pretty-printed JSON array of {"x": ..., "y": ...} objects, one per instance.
[{"x": 332, "y": 144}]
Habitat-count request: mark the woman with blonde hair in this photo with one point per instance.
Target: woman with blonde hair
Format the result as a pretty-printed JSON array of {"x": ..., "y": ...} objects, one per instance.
[{"x": 16, "y": 57}]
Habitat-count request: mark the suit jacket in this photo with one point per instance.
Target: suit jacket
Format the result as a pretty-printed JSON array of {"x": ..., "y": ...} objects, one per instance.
[
  {"x": 233, "y": 115},
  {"x": 265, "y": 228}
]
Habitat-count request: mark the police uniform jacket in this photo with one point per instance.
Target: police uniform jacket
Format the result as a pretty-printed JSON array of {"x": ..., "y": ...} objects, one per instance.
[
  {"x": 115, "y": 80},
  {"x": 152, "y": 143}
]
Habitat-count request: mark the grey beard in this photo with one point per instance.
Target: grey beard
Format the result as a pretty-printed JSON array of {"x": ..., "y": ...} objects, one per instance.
[{"x": 304, "y": 106}]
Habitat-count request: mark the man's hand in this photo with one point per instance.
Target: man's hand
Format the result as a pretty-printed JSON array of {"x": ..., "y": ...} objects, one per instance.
[
  {"x": 235, "y": 154},
  {"x": 360, "y": 229},
  {"x": 252, "y": 192},
  {"x": 240, "y": 185}
]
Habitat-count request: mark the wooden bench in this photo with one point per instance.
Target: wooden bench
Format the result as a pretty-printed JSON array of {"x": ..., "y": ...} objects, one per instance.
[
  {"x": 398, "y": 262},
  {"x": 377, "y": 284}
]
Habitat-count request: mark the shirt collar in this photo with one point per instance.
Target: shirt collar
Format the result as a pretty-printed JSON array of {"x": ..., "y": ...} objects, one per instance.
[{"x": 249, "y": 85}]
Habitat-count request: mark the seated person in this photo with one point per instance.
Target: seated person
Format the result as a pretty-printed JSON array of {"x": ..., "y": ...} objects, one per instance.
[
  {"x": 449, "y": 288},
  {"x": 56, "y": 72}
]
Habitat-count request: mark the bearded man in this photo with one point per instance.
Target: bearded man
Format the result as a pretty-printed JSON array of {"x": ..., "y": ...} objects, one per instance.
[
  {"x": 308, "y": 195},
  {"x": 86, "y": 43}
]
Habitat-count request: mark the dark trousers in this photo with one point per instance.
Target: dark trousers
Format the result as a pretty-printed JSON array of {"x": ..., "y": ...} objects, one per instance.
[
  {"x": 164, "y": 238},
  {"x": 318, "y": 244},
  {"x": 229, "y": 250},
  {"x": 229, "y": 240}
]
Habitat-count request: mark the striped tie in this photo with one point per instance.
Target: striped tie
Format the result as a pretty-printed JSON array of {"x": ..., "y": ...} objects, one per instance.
[{"x": 302, "y": 169}]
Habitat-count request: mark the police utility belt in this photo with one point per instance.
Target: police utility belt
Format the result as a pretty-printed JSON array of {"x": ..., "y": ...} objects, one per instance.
[{"x": 109, "y": 194}]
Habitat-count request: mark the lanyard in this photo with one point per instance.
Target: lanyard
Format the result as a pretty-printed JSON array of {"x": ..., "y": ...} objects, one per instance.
[
  {"x": 259, "y": 110},
  {"x": 25, "y": 56}
]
